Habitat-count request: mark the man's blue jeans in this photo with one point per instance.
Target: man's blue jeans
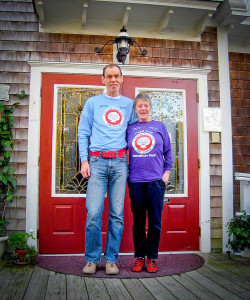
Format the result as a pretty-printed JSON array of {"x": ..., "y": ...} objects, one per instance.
[{"x": 111, "y": 174}]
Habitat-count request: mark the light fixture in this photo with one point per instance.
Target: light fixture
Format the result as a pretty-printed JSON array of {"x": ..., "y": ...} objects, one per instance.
[{"x": 123, "y": 42}]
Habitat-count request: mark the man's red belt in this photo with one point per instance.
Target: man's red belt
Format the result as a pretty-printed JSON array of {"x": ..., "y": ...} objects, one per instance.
[{"x": 109, "y": 154}]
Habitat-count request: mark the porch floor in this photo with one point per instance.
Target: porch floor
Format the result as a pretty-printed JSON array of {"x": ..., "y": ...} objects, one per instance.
[{"x": 219, "y": 278}]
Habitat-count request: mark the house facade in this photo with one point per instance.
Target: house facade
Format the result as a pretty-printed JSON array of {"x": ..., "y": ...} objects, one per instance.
[{"x": 197, "y": 71}]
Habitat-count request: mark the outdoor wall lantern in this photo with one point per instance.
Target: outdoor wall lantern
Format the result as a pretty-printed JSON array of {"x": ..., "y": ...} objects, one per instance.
[{"x": 123, "y": 42}]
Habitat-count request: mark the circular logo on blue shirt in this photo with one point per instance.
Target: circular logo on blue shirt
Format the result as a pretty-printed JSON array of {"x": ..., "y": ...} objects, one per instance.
[
  {"x": 143, "y": 142},
  {"x": 113, "y": 117}
]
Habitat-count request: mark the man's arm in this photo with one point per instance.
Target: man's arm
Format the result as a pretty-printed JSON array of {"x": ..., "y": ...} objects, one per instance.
[
  {"x": 84, "y": 132},
  {"x": 133, "y": 117}
]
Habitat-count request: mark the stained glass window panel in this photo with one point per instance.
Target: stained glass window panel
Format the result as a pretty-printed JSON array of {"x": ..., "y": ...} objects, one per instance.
[
  {"x": 69, "y": 104},
  {"x": 168, "y": 107}
]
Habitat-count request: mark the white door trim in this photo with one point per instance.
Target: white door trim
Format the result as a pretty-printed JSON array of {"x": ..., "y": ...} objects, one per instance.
[{"x": 37, "y": 68}]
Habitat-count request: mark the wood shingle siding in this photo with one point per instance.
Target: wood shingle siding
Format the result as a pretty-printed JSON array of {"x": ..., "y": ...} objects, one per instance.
[{"x": 240, "y": 101}]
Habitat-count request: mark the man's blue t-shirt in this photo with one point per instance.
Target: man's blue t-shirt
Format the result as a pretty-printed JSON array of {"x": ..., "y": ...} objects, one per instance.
[{"x": 103, "y": 124}]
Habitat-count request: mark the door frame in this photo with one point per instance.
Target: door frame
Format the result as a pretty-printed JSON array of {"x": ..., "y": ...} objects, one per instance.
[{"x": 38, "y": 68}]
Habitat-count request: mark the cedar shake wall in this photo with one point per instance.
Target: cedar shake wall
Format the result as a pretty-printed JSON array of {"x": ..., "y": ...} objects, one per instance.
[
  {"x": 20, "y": 41},
  {"x": 240, "y": 101}
]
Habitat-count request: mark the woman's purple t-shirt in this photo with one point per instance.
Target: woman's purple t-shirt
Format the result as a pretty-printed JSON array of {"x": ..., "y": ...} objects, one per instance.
[{"x": 150, "y": 153}]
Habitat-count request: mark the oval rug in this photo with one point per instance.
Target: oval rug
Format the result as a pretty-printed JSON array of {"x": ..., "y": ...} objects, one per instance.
[{"x": 168, "y": 264}]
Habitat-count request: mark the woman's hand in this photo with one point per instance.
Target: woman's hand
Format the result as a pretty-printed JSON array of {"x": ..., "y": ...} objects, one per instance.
[{"x": 165, "y": 176}]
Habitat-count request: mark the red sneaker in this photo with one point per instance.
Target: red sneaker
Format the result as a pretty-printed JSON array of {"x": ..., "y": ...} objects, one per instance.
[
  {"x": 139, "y": 264},
  {"x": 151, "y": 266}
]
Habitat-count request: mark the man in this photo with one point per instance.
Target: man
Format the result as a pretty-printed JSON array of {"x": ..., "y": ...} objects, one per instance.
[{"x": 101, "y": 137}]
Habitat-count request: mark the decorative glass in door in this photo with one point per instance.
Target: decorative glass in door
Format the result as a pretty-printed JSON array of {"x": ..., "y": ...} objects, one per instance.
[
  {"x": 168, "y": 106},
  {"x": 66, "y": 176}
]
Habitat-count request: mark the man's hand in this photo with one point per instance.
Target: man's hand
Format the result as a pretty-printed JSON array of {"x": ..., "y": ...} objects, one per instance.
[
  {"x": 85, "y": 169},
  {"x": 165, "y": 176}
]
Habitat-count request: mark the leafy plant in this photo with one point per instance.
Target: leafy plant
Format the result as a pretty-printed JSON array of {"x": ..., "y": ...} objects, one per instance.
[
  {"x": 8, "y": 182},
  {"x": 31, "y": 254},
  {"x": 22, "y": 95},
  {"x": 19, "y": 240},
  {"x": 3, "y": 224},
  {"x": 239, "y": 232}
]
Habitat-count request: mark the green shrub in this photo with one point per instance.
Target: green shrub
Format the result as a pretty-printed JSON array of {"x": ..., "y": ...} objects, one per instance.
[
  {"x": 239, "y": 232},
  {"x": 19, "y": 240}
]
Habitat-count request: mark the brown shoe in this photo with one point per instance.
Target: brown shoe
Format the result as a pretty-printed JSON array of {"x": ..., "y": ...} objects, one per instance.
[
  {"x": 89, "y": 268},
  {"x": 111, "y": 268}
]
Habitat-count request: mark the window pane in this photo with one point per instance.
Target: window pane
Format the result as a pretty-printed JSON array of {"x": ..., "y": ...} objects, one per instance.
[
  {"x": 168, "y": 107},
  {"x": 70, "y": 102}
]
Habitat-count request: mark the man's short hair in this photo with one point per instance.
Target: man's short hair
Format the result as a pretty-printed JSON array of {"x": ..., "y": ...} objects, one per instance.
[{"x": 110, "y": 66}]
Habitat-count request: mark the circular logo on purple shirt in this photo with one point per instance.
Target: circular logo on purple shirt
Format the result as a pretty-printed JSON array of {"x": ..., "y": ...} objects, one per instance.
[{"x": 143, "y": 143}]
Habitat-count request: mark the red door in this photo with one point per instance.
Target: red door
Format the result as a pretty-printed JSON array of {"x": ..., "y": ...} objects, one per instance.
[
  {"x": 180, "y": 219},
  {"x": 62, "y": 218}
]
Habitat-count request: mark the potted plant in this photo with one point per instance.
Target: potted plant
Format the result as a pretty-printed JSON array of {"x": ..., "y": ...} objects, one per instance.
[
  {"x": 31, "y": 254},
  {"x": 24, "y": 253},
  {"x": 8, "y": 182},
  {"x": 239, "y": 233}
]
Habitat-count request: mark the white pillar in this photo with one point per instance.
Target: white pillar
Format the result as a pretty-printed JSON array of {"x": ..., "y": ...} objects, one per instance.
[
  {"x": 226, "y": 134},
  {"x": 204, "y": 188},
  {"x": 32, "y": 188}
]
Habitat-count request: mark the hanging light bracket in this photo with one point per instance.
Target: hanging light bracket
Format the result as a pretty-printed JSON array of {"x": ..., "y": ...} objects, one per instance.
[
  {"x": 98, "y": 50},
  {"x": 144, "y": 51},
  {"x": 123, "y": 42}
]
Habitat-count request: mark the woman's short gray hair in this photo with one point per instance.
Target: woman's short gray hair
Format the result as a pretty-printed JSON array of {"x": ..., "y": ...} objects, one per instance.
[{"x": 143, "y": 96}]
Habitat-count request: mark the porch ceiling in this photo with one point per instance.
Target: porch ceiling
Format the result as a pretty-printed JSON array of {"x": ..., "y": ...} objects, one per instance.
[{"x": 161, "y": 19}]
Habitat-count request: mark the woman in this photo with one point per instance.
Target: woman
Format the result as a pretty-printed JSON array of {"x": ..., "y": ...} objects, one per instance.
[{"x": 150, "y": 162}]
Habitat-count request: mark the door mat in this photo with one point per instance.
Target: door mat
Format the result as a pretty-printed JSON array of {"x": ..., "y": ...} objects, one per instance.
[{"x": 168, "y": 264}]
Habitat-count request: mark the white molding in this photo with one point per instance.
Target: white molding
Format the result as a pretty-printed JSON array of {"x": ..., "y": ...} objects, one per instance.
[
  {"x": 126, "y": 16},
  {"x": 207, "y": 5},
  {"x": 37, "y": 68},
  {"x": 226, "y": 134},
  {"x": 129, "y": 70},
  {"x": 32, "y": 191},
  {"x": 204, "y": 183},
  {"x": 201, "y": 25},
  {"x": 165, "y": 20},
  {"x": 84, "y": 14}
]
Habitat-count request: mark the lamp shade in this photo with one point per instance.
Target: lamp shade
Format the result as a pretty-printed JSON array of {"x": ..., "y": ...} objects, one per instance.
[{"x": 123, "y": 41}]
